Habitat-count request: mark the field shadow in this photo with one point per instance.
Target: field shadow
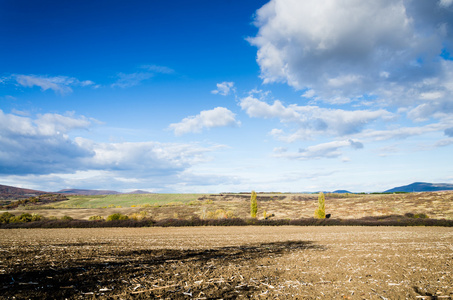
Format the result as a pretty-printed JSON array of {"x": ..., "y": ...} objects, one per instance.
[
  {"x": 246, "y": 252},
  {"x": 71, "y": 275}
]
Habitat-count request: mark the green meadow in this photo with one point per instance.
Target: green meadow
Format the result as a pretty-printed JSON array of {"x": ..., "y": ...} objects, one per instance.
[{"x": 125, "y": 200}]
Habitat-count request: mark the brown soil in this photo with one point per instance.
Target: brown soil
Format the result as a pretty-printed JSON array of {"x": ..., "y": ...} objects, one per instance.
[{"x": 227, "y": 263}]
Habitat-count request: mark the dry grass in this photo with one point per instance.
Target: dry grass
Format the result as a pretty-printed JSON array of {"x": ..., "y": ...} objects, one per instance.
[{"x": 437, "y": 205}]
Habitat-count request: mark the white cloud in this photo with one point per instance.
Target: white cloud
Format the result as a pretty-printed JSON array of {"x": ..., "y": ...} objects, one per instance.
[
  {"x": 59, "y": 84},
  {"x": 158, "y": 69},
  {"x": 143, "y": 157},
  {"x": 224, "y": 88},
  {"x": 402, "y": 132},
  {"x": 312, "y": 119},
  {"x": 217, "y": 117},
  {"x": 309, "y": 94},
  {"x": 127, "y": 80},
  {"x": 344, "y": 50},
  {"x": 431, "y": 95},
  {"x": 41, "y": 145},
  {"x": 325, "y": 150},
  {"x": 132, "y": 79},
  {"x": 445, "y": 3},
  {"x": 44, "y": 125},
  {"x": 444, "y": 142}
]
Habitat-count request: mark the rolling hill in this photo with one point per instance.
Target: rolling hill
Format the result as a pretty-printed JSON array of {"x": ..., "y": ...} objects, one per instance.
[{"x": 11, "y": 192}]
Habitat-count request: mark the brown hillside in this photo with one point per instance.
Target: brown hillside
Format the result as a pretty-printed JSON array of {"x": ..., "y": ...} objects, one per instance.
[{"x": 10, "y": 192}]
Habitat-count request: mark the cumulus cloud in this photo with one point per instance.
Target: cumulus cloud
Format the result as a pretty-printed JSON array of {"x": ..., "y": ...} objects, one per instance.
[
  {"x": 224, "y": 88},
  {"x": 217, "y": 117},
  {"x": 151, "y": 158},
  {"x": 344, "y": 50},
  {"x": 42, "y": 145},
  {"x": 325, "y": 150},
  {"x": 312, "y": 119},
  {"x": 59, "y": 84}
]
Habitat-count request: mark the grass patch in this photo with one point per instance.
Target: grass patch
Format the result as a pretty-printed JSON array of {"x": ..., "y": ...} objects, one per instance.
[{"x": 126, "y": 200}]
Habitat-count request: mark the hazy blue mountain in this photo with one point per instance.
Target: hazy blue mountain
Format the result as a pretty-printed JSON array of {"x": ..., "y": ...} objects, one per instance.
[
  {"x": 422, "y": 187},
  {"x": 341, "y": 192},
  {"x": 138, "y": 192}
]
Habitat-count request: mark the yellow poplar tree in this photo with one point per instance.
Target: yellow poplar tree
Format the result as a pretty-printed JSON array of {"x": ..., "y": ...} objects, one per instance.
[
  {"x": 320, "y": 212},
  {"x": 253, "y": 205}
]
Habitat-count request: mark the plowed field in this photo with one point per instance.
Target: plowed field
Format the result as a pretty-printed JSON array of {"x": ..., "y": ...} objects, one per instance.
[{"x": 227, "y": 263}]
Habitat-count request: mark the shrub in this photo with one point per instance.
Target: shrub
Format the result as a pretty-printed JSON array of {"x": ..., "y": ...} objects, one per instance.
[
  {"x": 139, "y": 216},
  {"x": 420, "y": 216},
  {"x": 117, "y": 216},
  {"x": 67, "y": 218},
  {"x": 416, "y": 216},
  {"x": 6, "y": 217},
  {"x": 320, "y": 212},
  {"x": 93, "y": 218},
  {"x": 36, "y": 217},
  {"x": 220, "y": 214},
  {"x": 25, "y": 217},
  {"x": 253, "y": 205}
]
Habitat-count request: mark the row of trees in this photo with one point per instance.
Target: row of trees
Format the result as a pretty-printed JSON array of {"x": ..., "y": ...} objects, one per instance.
[{"x": 320, "y": 212}]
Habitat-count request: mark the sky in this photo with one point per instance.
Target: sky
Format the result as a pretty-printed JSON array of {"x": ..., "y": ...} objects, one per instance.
[{"x": 202, "y": 96}]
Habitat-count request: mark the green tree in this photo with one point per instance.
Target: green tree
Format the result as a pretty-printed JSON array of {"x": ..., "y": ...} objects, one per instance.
[
  {"x": 320, "y": 212},
  {"x": 253, "y": 205}
]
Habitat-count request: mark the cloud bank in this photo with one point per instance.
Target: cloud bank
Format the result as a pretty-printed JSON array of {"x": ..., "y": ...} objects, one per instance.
[
  {"x": 342, "y": 51},
  {"x": 310, "y": 121},
  {"x": 42, "y": 146}
]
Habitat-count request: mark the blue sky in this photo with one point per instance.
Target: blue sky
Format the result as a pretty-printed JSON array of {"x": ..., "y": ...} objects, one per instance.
[{"x": 218, "y": 96}]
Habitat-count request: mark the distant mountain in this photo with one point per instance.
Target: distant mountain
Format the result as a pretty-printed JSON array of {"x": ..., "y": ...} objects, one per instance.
[
  {"x": 88, "y": 192},
  {"x": 422, "y": 187},
  {"x": 11, "y": 192},
  {"x": 341, "y": 192},
  {"x": 138, "y": 192}
]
